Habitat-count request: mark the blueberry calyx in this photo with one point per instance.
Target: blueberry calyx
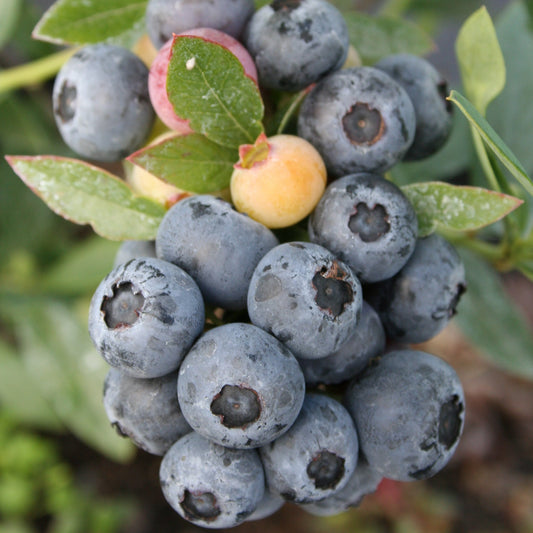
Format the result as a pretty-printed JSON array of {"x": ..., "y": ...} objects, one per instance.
[
  {"x": 286, "y": 5},
  {"x": 200, "y": 506},
  {"x": 450, "y": 421},
  {"x": 326, "y": 470},
  {"x": 370, "y": 223},
  {"x": 333, "y": 294},
  {"x": 67, "y": 102},
  {"x": 363, "y": 124},
  {"x": 237, "y": 406},
  {"x": 123, "y": 308}
]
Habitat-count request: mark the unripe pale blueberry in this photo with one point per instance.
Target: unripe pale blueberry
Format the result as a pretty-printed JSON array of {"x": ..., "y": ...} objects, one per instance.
[
  {"x": 278, "y": 180},
  {"x": 101, "y": 103},
  {"x": 166, "y": 17},
  {"x": 157, "y": 79}
]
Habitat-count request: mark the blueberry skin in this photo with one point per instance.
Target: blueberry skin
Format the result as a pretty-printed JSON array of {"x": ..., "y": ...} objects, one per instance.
[
  {"x": 240, "y": 387},
  {"x": 409, "y": 412},
  {"x": 129, "y": 250},
  {"x": 317, "y": 456},
  {"x": 209, "y": 485},
  {"x": 101, "y": 103},
  {"x": 420, "y": 300},
  {"x": 359, "y": 119},
  {"x": 428, "y": 91},
  {"x": 144, "y": 316},
  {"x": 216, "y": 245},
  {"x": 366, "y": 341},
  {"x": 165, "y": 17},
  {"x": 270, "y": 504},
  {"x": 364, "y": 481},
  {"x": 145, "y": 410},
  {"x": 368, "y": 223},
  {"x": 308, "y": 299},
  {"x": 295, "y": 44}
]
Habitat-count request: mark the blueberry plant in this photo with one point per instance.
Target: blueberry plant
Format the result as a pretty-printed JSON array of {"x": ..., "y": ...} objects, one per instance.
[{"x": 280, "y": 181}]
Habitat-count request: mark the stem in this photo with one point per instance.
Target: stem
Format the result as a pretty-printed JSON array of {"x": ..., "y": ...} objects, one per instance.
[
  {"x": 492, "y": 252},
  {"x": 485, "y": 161},
  {"x": 34, "y": 72},
  {"x": 290, "y": 111}
]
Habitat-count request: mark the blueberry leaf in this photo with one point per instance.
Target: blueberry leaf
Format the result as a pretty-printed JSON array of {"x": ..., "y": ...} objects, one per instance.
[
  {"x": 206, "y": 84},
  {"x": 457, "y": 208},
  {"x": 85, "y": 194},
  {"x": 375, "y": 37},
  {"x": 502, "y": 334},
  {"x": 92, "y": 21},
  {"x": 493, "y": 140},
  {"x": 480, "y": 60},
  {"x": 191, "y": 162}
]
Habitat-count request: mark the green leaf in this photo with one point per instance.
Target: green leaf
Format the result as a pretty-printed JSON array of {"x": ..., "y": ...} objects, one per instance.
[
  {"x": 68, "y": 371},
  {"x": 480, "y": 60},
  {"x": 92, "y": 21},
  {"x": 493, "y": 140},
  {"x": 489, "y": 318},
  {"x": 85, "y": 194},
  {"x": 20, "y": 395},
  {"x": 80, "y": 270},
  {"x": 375, "y": 37},
  {"x": 207, "y": 85},
  {"x": 190, "y": 162},
  {"x": 11, "y": 10},
  {"x": 457, "y": 208}
]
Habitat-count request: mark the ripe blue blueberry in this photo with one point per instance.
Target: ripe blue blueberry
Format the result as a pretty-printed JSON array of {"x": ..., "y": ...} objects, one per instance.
[
  {"x": 366, "y": 341},
  {"x": 270, "y": 504},
  {"x": 240, "y": 387},
  {"x": 420, "y": 300},
  {"x": 408, "y": 409},
  {"x": 295, "y": 43},
  {"x": 364, "y": 481},
  {"x": 129, "y": 250},
  {"x": 209, "y": 485},
  {"x": 368, "y": 223},
  {"x": 428, "y": 91},
  {"x": 145, "y": 410},
  {"x": 308, "y": 299},
  {"x": 216, "y": 245},
  {"x": 101, "y": 103},
  {"x": 359, "y": 120},
  {"x": 165, "y": 17},
  {"x": 317, "y": 456},
  {"x": 144, "y": 316}
]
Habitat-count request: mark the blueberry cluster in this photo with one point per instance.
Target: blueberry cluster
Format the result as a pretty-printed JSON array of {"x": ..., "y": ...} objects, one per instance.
[{"x": 231, "y": 345}]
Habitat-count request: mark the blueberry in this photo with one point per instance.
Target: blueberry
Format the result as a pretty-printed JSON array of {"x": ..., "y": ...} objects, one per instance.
[
  {"x": 428, "y": 91},
  {"x": 165, "y": 17},
  {"x": 101, "y": 103},
  {"x": 368, "y": 223},
  {"x": 145, "y": 410},
  {"x": 240, "y": 387},
  {"x": 366, "y": 341},
  {"x": 144, "y": 316},
  {"x": 359, "y": 120},
  {"x": 302, "y": 294},
  {"x": 419, "y": 301},
  {"x": 317, "y": 456},
  {"x": 295, "y": 43},
  {"x": 364, "y": 481},
  {"x": 132, "y": 250},
  {"x": 209, "y": 485},
  {"x": 216, "y": 245},
  {"x": 409, "y": 412}
]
